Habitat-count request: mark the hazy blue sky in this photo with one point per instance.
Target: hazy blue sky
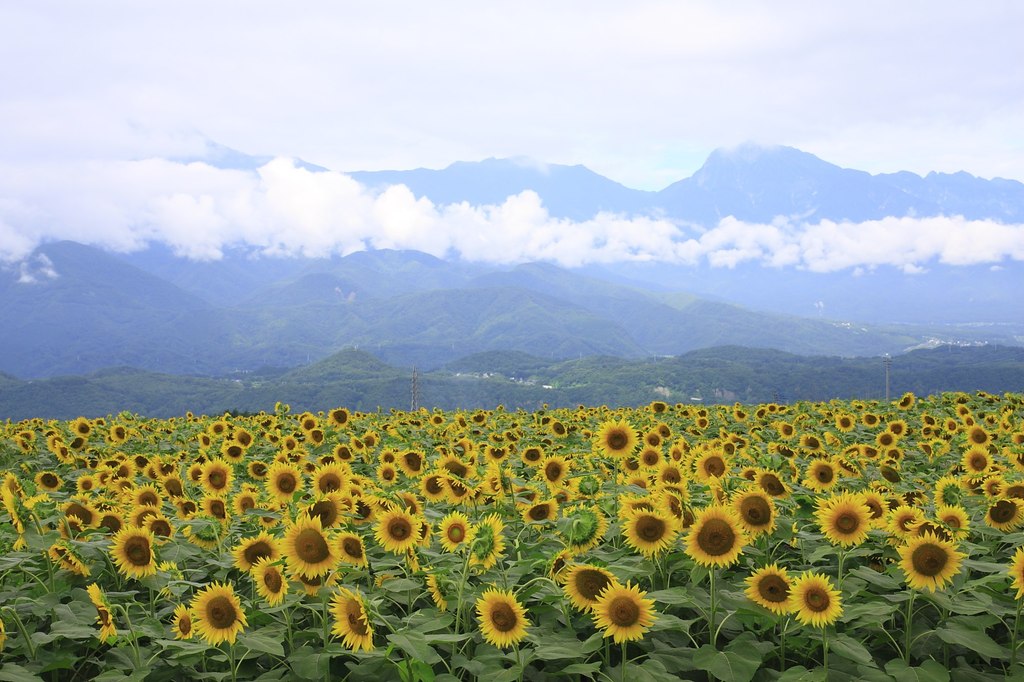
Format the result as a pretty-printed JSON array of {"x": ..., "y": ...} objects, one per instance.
[{"x": 640, "y": 92}]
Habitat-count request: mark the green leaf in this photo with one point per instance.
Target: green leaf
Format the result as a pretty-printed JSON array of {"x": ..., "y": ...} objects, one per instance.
[
  {"x": 261, "y": 642},
  {"x": 850, "y": 649},
  {"x": 956, "y": 631},
  {"x": 929, "y": 671},
  {"x": 587, "y": 669},
  {"x": 801, "y": 674},
  {"x": 728, "y": 666},
  {"x": 308, "y": 664},
  {"x": 415, "y": 645},
  {"x": 12, "y": 672},
  {"x": 675, "y": 596},
  {"x": 882, "y": 580}
]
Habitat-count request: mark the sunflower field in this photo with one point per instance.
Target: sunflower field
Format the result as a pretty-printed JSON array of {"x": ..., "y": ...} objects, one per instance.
[{"x": 847, "y": 540}]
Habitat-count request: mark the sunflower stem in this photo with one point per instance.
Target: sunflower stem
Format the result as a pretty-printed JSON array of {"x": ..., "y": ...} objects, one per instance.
[
  {"x": 231, "y": 661},
  {"x": 908, "y": 625},
  {"x": 712, "y": 613},
  {"x": 519, "y": 661},
  {"x": 622, "y": 669},
  {"x": 783, "y": 626},
  {"x": 1013, "y": 637},
  {"x": 24, "y": 633},
  {"x": 824, "y": 649},
  {"x": 839, "y": 575}
]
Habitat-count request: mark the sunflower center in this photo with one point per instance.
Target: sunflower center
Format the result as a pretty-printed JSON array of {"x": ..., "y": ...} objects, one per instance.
[
  {"x": 256, "y": 551},
  {"x": 847, "y": 523},
  {"x": 671, "y": 475},
  {"x": 772, "y": 485},
  {"x": 553, "y": 471},
  {"x": 286, "y": 483},
  {"x": 623, "y": 612},
  {"x": 590, "y": 583},
  {"x": 330, "y": 483},
  {"x": 173, "y": 487},
  {"x": 399, "y": 529},
  {"x": 978, "y": 462},
  {"x": 272, "y": 580},
  {"x": 650, "y": 528},
  {"x": 539, "y": 512},
  {"x": 773, "y": 588},
  {"x": 49, "y": 480},
  {"x": 817, "y": 600},
  {"x": 84, "y": 514},
  {"x": 217, "y": 478},
  {"x": 413, "y": 460},
  {"x": 217, "y": 509},
  {"x": 352, "y": 547},
  {"x": 756, "y": 511},
  {"x": 185, "y": 624},
  {"x": 220, "y": 613},
  {"x": 1003, "y": 511},
  {"x": 433, "y": 485},
  {"x": 617, "y": 440},
  {"x": 355, "y": 622},
  {"x": 503, "y": 617},
  {"x": 311, "y": 546},
  {"x": 824, "y": 474},
  {"x": 160, "y": 527},
  {"x": 138, "y": 552},
  {"x": 456, "y": 533},
  {"x": 325, "y": 511},
  {"x": 716, "y": 537},
  {"x": 714, "y": 466}
]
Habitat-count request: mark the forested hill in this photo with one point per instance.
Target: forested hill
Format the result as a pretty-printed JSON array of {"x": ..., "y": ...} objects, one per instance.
[{"x": 360, "y": 381}]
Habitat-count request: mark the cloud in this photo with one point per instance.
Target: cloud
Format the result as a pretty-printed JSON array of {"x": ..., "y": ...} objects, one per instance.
[{"x": 282, "y": 210}]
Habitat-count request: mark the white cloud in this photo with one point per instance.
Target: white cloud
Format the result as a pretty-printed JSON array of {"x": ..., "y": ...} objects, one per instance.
[{"x": 284, "y": 210}]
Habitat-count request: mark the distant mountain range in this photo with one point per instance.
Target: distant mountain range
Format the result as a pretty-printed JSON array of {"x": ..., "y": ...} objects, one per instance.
[
  {"x": 71, "y": 309},
  {"x": 359, "y": 381}
]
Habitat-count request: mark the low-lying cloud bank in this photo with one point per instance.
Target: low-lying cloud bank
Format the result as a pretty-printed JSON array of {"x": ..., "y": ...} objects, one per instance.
[{"x": 283, "y": 210}]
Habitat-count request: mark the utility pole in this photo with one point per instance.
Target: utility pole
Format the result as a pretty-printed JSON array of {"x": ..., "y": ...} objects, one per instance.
[
  {"x": 887, "y": 361},
  {"x": 415, "y": 405}
]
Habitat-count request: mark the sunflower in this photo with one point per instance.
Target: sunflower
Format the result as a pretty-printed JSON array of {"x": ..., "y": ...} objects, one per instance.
[
  {"x": 104, "y": 619},
  {"x": 814, "y": 600},
  {"x": 954, "y": 518},
  {"x": 216, "y": 507},
  {"x": 434, "y": 487},
  {"x": 328, "y": 509},
  {"x": 488, "y": 542},
  {"x": 218, "y": 614},
  {"x": 329, "y": 478},
  {"x": 716, "y": 537},
  {"x": 583, "y": 584},
  {"x": 902, "y": 520},
  {"x": 928, "y": 562},
  {"x": 351, "y": 549},
  {"x": 82, "y": 510},
  {"x": 1006, "y": 514},
  {"x": 711, "y": 465},
  {"x": 755, "y": 511},
  {"x": 532, "y": 455},
  {"x": 769, "y": 586},
  {"x": 616, "y": 439},
  {"x": 585, "y": 528},
  {"x": 283, "y": 481},
  {"x": 976, "y": 461},
  {"x": 623, "y": 613},
  {"x": 160, "y": 526},
  {"x": 181, "y": 622},
  {"x": 338, "y": 417},
  {"x": 132, "y": 552},
  {"x": 250, "y": 550},
  {"x": 436, "y": 595},
  {"x": 502, "y": 618},
  {"x": 845, "y": 422},
  {"x": 770, "y": 482},
  {"x": 216, "y": 476},
  {"x": 1016, "y": 571},
  {"x": 307, "y": 549},
  {"x": 821, "y": 475},
  {"x": 49, "y": 481},
  {"x": 844, "y": 519},
  {"x": 62, "y": 554},
  {"x": 455, "y": 531},
  {"x": 270, "y": 581},
  {"x": 540, "y": 512},
  {"x": 397, "y": 531},
  {"x": 554, "y": 469},
  {"x": 411, "y": 462},
  {"x": 387, "y": 474},
  {"x": 351, "y": 621},
  {"x": 649, "y": 532}
]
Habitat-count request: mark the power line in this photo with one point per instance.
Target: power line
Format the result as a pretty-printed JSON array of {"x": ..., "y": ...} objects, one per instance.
[{"x": 415, "y": 404}]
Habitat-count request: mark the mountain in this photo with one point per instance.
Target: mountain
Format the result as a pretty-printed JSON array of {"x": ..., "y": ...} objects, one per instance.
[{"x": 360, "y": 381}]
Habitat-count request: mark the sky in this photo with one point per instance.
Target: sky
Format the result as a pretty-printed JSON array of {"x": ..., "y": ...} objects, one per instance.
[{"x": 94, "y": 97}]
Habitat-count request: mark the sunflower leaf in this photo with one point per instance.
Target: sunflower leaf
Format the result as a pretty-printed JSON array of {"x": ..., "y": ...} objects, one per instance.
[
  {"x": 929, "y": 671},
  {"x": 261, "y": 642},
  {"x": 851, "y": 649}
]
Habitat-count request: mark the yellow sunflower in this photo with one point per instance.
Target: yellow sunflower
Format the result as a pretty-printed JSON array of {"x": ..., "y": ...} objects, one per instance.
[
  {"x": 181, "y": 622},
  {"x": 616, "y": 439},
  {"x": 104, "y": 619},
  {"x": 283, "y": 481},
  {"x": 218, "y": 614},
  {"x": 271, "y": 583},
  {"x": 844, "y": 519},
  {"x": 502, "y": 618},
  {"x": 488, "y": 542},
  {"x": 755, "y": 511},
  {"x": 584, "y": 529},
  {"x": 307, "y": 549},
  {"x": 821, "y": 475},
  {"x": 351, "y": 549},
  {"x": 1006, "y": 514},
  {"x": 540, "y": 512},
  {"x": 649, "y": 532},
  {"x": 815, "y": 600},
  {"x": 216, "y": 477},
  {"x": 351, "y": 621},
  {"x": 1016, "y": 571},
  {"x": 623, "y": 613},
  {"x": 716, "y": 537},
  {"x": 583, "y": 584},
  {"x": 455, "y": 531},
  {"x": 769, "y": 586},
  {"x": 928, "y": 562},
  {"x": 132, "y": 552},
  {"x": 250, "y": 550},
  {"x": 397, "y": 531}
]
